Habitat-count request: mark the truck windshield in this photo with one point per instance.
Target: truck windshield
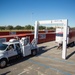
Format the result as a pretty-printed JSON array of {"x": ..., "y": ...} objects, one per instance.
[{"x": 3, "y": 46}]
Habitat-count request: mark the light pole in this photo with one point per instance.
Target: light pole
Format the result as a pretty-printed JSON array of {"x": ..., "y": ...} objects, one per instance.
[{"x": 31, "y": 20}]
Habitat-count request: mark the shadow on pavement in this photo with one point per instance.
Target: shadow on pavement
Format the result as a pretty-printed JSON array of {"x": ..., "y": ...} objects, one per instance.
[
  {"x": 18, "y": 60},
  {"x": 70, "y": 55},
  {"x": 43, "y": 50},
  {"x": 6, "y": 73}
]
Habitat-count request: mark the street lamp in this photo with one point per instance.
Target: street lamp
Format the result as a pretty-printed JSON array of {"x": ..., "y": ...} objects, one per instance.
[{"x": 31, "y": 20}]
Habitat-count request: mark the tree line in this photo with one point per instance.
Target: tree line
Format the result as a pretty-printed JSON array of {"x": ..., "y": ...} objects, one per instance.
[{"x": 26, "y": 27}]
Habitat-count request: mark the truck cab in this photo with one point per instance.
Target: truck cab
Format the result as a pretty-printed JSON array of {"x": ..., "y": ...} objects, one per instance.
[
  {"x": 9, "y": 51},
  {"x": 15, "y": 48}
]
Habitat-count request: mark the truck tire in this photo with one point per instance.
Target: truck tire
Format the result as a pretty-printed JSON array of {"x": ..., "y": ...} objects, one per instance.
[
  {"x": 34, "y": 52},
  {"x": 3, "y": 63}
]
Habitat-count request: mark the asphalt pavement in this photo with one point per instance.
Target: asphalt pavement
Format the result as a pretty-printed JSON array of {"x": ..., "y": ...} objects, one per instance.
[{"x": 48, "y": 61}]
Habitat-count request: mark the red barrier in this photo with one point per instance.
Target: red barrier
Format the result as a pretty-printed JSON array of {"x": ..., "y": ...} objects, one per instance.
[
  {"x": 43, "y": 37},
  {"x": 47, "y": 37},
  {"x": 4, "y": 33},
  {"x": 21, "y": 32}
]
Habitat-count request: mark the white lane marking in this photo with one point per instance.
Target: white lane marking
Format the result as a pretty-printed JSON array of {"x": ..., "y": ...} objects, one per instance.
[
  {"x": 25, "y": 70},
  {"x": 21, "y": 72}
]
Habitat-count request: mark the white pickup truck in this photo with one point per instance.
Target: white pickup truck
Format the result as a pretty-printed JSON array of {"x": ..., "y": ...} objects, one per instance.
[{"x": 13, "y": 48}]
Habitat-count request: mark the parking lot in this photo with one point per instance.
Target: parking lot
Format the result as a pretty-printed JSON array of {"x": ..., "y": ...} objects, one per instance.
[{"x": 48, "y": 61}]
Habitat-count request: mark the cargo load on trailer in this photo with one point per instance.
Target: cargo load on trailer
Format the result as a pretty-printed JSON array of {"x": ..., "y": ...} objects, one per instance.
[{"x": 70, "y": 36}]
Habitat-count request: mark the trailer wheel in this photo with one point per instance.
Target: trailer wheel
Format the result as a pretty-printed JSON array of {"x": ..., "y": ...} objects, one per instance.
[
  {"x": 34, "y": 52},
  {"x": 3, "y": 63},
  {"x": 72, "y": 44}
]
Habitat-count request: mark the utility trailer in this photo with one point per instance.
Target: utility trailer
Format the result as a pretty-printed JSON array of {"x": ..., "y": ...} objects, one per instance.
[
  {"x": 70, "y": 36},
  {"x": 16, "y": 48}
]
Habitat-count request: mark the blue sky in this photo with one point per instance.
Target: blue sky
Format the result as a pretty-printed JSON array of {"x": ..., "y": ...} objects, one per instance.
[{"x": 24, "y": 12}]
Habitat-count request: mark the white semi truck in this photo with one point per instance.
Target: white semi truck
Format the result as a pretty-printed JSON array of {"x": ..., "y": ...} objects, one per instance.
[{"x": 16, "y": 48}]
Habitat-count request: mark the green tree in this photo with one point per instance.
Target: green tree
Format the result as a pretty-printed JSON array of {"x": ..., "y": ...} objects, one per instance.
[
  {"x": 9, "y": 27},
  {"x": 2, "y": 27},
  {"x": 18, "y": 27},
  {"x": 42, "y": 27},
  {"x": 50, "y": 28},
  {"x": 29, "y": 27}
]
